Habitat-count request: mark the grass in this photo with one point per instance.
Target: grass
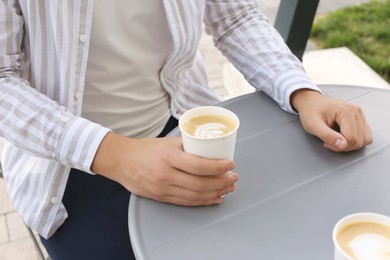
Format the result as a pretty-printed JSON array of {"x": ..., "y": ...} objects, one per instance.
[{"x": 365, "y": 29}]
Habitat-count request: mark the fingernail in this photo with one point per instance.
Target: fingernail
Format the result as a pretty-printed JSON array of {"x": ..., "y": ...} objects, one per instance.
[
  {"x": 218, "y": 201},
  {"x": 231, "y": 166},
  {"x": 340, "y": 143},
  {"x": 235, "y": 177}
]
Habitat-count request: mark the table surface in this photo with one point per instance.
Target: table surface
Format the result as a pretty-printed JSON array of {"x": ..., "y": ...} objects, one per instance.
[{"x": 290, "y": 194}]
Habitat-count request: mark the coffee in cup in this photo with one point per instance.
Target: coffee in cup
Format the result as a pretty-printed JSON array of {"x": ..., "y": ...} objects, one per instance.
[
  {"x": 209, "y": 131},
  {"x": 209, "y": 126},
  {"x": 362, "y": 236}
]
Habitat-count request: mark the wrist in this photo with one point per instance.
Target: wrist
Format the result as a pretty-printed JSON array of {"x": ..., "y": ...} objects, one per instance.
[
  {"x": 299, "y": 97},
  {"x": 107, "y": 155}
]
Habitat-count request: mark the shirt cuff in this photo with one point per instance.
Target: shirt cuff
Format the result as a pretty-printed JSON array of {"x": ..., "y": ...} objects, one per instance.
[
  {"x": 79, "y": 142},
  {"x": 288, "y": 82}
]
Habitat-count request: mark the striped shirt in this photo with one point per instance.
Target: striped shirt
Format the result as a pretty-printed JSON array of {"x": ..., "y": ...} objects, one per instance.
[{"x": 43, "y": 56}]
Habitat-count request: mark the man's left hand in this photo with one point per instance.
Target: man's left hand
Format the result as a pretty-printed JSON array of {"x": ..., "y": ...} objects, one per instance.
[{"x": 321, "y": 115}]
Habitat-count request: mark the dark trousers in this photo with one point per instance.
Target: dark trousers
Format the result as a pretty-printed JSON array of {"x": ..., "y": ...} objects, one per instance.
[{"x": 97, "y": 226}]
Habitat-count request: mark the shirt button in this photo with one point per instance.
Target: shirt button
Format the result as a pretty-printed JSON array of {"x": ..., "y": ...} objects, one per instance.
[
  {"x": 83, "y": 37},
  {"x": 77, "y": 95},
  {"x": 54, "y": 200}
]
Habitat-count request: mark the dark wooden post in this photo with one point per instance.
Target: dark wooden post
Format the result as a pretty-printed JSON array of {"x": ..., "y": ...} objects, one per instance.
[{"x": 294, "y": 21}]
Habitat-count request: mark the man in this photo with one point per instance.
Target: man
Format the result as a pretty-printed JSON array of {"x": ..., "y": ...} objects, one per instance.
[{"x": 86, "y": 86}]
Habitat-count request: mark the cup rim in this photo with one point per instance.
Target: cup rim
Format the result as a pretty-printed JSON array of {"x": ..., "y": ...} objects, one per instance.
[
  {"x": 231, "y": 113},
  {"x": 340, "y": 223}
]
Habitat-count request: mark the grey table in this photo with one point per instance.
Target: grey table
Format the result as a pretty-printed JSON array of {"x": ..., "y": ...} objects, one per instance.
[{"x": 290, "y": 194}]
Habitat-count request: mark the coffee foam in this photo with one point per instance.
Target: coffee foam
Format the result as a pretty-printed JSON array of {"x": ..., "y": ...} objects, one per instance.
[
  {"x": 209, "y": 130},
  {"x": 370, "y": 246}
]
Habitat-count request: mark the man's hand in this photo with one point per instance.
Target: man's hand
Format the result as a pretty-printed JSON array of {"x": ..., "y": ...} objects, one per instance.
[
  {"x": 320, "y": 115},
  {"x": 159, "y": 169}
]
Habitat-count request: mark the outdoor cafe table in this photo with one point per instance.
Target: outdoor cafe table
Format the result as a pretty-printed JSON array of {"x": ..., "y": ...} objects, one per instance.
[{"x": 290, "y": 194}]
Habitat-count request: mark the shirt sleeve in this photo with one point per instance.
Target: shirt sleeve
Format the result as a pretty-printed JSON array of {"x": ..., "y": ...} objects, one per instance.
[
  {"x": 31, "y": 120},
  {"x": 245, "y": 36}
]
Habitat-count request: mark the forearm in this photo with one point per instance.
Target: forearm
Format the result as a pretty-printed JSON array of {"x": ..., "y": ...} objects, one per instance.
[
  {"x": 245, "y": 36},
  {"x": 38, "y": 125},
  {"x": 31, "y": 120}
]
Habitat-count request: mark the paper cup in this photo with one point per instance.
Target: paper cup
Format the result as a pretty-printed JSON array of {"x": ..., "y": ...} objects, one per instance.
[
  {"x": 339, "y": 254},
  {"x": 220, "y": 147}
]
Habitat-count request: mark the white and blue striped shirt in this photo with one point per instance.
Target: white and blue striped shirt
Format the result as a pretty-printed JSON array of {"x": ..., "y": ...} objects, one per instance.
[{"x": 43, "y": 57}]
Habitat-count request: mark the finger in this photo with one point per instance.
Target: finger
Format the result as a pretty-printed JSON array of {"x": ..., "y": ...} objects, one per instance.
[
  {"x": 332, "y": 139},
  {"x": 204, "y": 183},
  {"x": 366, "y": 134},
  {"x": 196, "y": 165},
  {"x": 368, "y": 139},
  {"x": 194, "y": 197},
  {"x": 161, "y": 191},
  {"x": 358, "y": 142},
  {"x": 184, "y": 202},
  {"x": 364, "y": 131},
  {"x": 185, "y": 197},
  {"x": 352, "y": 127}
]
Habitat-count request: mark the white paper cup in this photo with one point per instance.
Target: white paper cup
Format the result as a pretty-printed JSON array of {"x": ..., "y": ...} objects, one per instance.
[
  {"x": 339, "y": 254},
  {"x": 220, "y": 147}
]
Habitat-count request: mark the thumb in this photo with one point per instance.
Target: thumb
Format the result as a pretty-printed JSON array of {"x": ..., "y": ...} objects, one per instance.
[
  {"x": 332, "y": 139},
  {"x": 337, "y": 145}
]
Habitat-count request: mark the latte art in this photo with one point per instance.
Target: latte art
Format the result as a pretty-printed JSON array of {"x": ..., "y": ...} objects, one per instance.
[
  {"x": 210, "y": 130},
  {"x": 209, "y": 126},
  {"x": 370, "y": 246},
  {"x": 365, "y": 241}
]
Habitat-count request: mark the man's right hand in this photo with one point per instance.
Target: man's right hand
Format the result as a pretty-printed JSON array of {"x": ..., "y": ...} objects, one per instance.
[{"x": 159, "y": 169}]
